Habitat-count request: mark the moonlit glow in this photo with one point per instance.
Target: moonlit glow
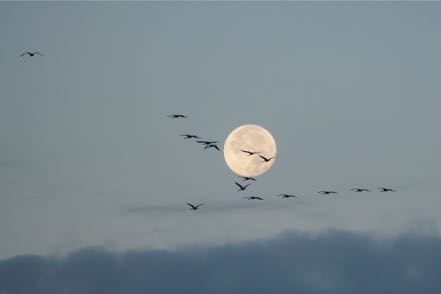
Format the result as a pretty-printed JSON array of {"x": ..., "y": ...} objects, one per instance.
[{"x": 251, "y": 138}]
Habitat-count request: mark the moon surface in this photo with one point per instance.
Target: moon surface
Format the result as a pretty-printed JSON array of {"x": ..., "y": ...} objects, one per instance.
[{"x": 251, "y": 138}]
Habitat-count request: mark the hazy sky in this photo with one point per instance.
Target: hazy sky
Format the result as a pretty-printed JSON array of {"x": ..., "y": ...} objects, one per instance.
[{"x": 350, "y": 92}]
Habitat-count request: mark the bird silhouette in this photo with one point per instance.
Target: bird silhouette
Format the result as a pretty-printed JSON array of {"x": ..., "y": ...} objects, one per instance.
[
  {"x": 265, "y": 159},
  {"x": 253, "y": 198},
  {"x": 31, "y": 54},
  {"x": 241, "y": 188},
  {"x": 382, "y": 189},
  {"x": 177, "y": 116},
  {"x": 247, "y": 179},
  {"x": 360, "y": 190},
  {"x": 187, "y": 136},
  {"x": 206, "y": 142},
  {"x": 212, "y": 146},
  {"x": 249, "y": 152},
  {"x": 287, "y": 196},
  {"x": 194, "y": 207},
  {"x": 327, "y": 192}
]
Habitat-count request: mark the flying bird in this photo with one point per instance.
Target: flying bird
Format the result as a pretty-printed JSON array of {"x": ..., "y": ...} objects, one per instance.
[
  {"x": 287, "y": 196},
  {"x": 253, "y": 198},
  {"x": 360, "y": 190},
  {"x": 31, "y": 54},
  {"x": 177, "y": 116},
  {"x": 207, "y": 142},
  {"x": 327, "y": 192},
  {"x": 249, "y": 152},
  {"x": 248, "y": 179},
  {"x": 212, "y": 146},
  {"x": 194, "y": 207},
  {"x": 266, "y": 159},
  {"x": 187, "y": 136},
  {"x": 241, "y": 188},
  {"x": 382, "y": 189}
]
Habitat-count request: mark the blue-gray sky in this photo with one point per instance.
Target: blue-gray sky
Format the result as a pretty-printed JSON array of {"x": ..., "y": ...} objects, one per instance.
[{"x": 350, "y": 91}]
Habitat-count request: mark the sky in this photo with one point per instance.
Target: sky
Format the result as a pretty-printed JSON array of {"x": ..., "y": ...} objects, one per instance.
[{"x": 91, "y": 167}]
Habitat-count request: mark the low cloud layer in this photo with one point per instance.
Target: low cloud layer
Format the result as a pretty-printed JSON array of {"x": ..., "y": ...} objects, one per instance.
[{"x": 334, "y": 262}]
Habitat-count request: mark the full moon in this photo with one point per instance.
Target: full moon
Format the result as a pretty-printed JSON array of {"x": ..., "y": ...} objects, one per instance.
[{"x": 251, "y": 138}]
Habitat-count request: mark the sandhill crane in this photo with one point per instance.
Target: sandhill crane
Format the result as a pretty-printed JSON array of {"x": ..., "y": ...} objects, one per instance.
[
  {"x": 31, "y": 54},
  {"x": 187, "y": 136},
  {"x": 249, "y": 152},
  {"x": 327, "y": 192},
  {"x": 253, "y": 198},
  {"x": 248, "y": 179},
  {"x": 360, "y": 190},
  {"x": 265, "y": 159},
  {"x": 207, "y": 142},
  {"x": 382, "y": 189},
  {"x": 212, "y": 146},
  {"x": 177, "y": 116},
  {"x": 194, "y": 207},
  {"x": 287, "y": 196},
  {"x": 241, "y": 188}
]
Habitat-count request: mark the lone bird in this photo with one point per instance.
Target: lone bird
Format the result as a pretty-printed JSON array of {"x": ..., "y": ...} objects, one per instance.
[
  {"x": 177, "y": 116},
  {"x": 249, "y": 152},
  {"x": 31, "y": 54},
  {"x": 287, "y": 196},
  {"x": 241, "y": 188},
  {"x": 247, "y": 179},
  {"x": 360, "y": 190},
  {"x": 327, "y": 192},
  {"x": 212, "y": 146},
  {"x": 265, "y": 159},
  {"x": 253, "y": 198},
  {"x": 187, "y": 136},
  {"x": 382, "y": 189},
  {"x": 194, "y": 207}
]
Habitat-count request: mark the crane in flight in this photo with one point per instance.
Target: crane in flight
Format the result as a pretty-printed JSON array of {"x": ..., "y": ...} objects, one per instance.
[
  {"x": 241, "y": 188},
  {"x": 360, "y": 190},
  {"x": 253, "y": 197},
  {"x": 287, "y": 196},
  {"x": 212, "y": 146},
  {"x": 249, "y": 152},
  {"x": 247, "y": 179},
  {"x": 326, "y": 192},
  {"x": 188, "y": 136},
  {"x": 265, "y": 159},
  {"x": 206, "y": 142},
  {"x": 177, "y": 116},
  {"x": 382, "y": 189},
  {"x": 31, "y": 54},
  {"x": 194, "y": 207}
]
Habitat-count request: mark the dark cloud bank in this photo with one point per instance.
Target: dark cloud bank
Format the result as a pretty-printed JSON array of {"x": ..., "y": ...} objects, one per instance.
[{"x": 334, "y": 262}]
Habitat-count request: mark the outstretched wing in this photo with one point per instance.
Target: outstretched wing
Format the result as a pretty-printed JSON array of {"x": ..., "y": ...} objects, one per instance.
[
  {"x": 239, "y": 185},
  {"x": 191, "y": 205}
]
